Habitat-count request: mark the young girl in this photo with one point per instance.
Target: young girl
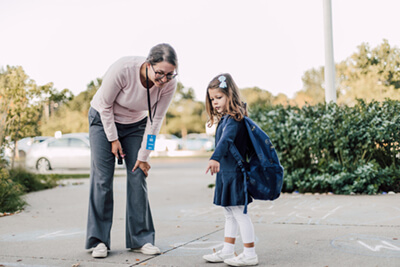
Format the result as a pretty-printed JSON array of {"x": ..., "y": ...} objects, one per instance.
[{"x": 224, "y": 107}]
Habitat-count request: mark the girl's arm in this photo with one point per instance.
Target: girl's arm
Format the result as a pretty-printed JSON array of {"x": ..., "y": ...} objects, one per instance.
[
  {"x": 213, "y": 166},
  {"x": 227, "y": 138}
]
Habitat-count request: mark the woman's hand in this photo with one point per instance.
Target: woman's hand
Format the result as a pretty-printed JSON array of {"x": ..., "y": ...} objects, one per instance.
[
  {"x": 213, "y": 166},
  {"x": 144, "y": 166},
  {"x": 116, "y": 147}
]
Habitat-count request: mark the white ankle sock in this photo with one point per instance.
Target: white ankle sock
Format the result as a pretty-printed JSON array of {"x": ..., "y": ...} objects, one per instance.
[
  {"x": 228, "y": 248},
  {"x": 250, "y": 252}
]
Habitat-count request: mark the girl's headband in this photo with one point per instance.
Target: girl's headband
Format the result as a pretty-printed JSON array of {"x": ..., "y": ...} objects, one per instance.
[{"x": 222, "y": 80}]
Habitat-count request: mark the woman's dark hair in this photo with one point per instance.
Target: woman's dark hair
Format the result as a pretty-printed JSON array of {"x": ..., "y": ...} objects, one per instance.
[{"x": 162, "y": 52}]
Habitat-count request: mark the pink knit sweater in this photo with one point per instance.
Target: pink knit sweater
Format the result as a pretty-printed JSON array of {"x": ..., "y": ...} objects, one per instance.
[{"x": 123, "y": 99}]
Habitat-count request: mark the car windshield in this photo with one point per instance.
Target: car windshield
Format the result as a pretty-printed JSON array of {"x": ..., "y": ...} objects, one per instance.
[
  {"x": 75, "y": 142},
  {"x": 62, "y": 142}
]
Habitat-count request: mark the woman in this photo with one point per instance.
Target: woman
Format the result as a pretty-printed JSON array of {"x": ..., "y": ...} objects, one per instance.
[{"x": 119, "y": 125}]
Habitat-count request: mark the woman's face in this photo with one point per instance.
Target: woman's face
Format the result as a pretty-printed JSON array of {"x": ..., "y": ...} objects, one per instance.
[
  {"x": 161, "y": 73},
  {"x": 218, "y": 100}
]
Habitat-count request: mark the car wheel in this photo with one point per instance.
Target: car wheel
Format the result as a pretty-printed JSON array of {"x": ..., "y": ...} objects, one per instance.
[{"x": 43, "y": 165}]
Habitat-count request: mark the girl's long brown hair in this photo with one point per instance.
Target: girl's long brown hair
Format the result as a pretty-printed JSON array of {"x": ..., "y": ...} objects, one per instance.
[{"x": 235, "y": 108}]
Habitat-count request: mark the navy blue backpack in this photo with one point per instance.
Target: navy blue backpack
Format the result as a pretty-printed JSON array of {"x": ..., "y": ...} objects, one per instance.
[{"x": 262, "y": 171}]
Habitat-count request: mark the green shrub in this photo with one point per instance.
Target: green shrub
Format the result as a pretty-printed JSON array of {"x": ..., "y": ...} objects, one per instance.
[
  {"x": 10, "y": 193},
  {"x": 32, "y": 182},
  {"x": 16, "y": 182},
  {"x": 339, "y": 149}
]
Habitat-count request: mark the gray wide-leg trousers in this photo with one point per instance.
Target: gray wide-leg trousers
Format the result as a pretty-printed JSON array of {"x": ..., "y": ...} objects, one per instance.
[{"x": 139, "y": 222}]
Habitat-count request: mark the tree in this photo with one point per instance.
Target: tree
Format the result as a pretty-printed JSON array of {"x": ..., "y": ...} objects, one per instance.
[
  {"x": 256, "y": 96},
  {"x": 281, "y": 99},
  {"x": 52, "y": 100},
  {"x": 185, "y": 115},
  {"x": 370, "y": 74},
  {"x": 20, "y": 106},
  {"x": 81, "y": 102},
  {"x": 302, "y": 98},
  {"x": 72, "y": 116},
  {"x": 183, "y": 93},
  {"x": 313, "y": 86}
]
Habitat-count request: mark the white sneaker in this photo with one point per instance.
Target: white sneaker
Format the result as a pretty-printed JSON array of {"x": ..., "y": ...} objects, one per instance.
[
  {"x": 100, "y": 251},
  {"x": 218, "y": 256},
  {"x": 242, "y": 260},
  {"x": 148, "y": 249}
]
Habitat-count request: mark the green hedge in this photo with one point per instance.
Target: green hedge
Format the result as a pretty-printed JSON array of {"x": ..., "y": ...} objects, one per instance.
[
  {"x": 32, "y": 182},
  {"x": 10, "y": 193},
  {"x": 15, "y": 183},
  {"x": 339, "y": 149}
]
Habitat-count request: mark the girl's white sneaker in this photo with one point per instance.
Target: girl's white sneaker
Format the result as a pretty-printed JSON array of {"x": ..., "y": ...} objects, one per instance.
[
  {"x": 242, "y": 260},
  {"x": 218, "y": 256}
]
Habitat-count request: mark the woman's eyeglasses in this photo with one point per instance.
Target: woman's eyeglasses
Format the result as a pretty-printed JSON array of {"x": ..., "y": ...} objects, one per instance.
[{"x": 161, "y": 75}]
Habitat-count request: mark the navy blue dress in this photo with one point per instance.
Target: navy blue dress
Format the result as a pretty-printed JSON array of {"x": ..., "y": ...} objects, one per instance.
[{"x": 229, "y": 189}]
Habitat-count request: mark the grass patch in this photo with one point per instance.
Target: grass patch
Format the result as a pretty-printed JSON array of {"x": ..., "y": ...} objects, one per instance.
[{"x": 69, "y": 176}]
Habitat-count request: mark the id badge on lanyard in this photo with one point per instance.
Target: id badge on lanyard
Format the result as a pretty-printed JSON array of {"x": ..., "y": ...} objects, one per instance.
[{"x": 151, "y": 141}]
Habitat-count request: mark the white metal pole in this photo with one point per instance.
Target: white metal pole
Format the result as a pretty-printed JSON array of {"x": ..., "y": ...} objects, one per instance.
[{"x": 330, "y": 90}]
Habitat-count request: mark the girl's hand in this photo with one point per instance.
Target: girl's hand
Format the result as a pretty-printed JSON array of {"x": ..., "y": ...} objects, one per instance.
[
  {"x": 213, "y": 166},
  {"x": 144, "y": 166},
  {"x": 116, "y": 147}
]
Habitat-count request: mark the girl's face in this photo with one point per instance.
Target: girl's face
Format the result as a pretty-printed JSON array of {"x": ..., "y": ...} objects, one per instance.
[
  {"x": 219, "y": 100},
  {"x": 161, "y": 73}
]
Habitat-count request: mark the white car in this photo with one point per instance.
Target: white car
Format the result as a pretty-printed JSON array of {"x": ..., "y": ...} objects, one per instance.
[
  {"x": 167, "y": 142},
  {"x": 71, "y": 151},
  {"x": 199, "y": 142},
  {"x": 23, "y": 146}
]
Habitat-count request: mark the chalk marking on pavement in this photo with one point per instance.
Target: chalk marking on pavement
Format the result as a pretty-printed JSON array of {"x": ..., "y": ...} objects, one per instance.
[
  {"x": 331, "y": 212},
  {"x": 50, "y": 234},
  {"x": 58, "y": 234},
  {"x": 367, "y": 245},
  {"x": 41, "y": 234},
  {"x": 174, "y": 248},
  {"x": 385, "y": 245}
]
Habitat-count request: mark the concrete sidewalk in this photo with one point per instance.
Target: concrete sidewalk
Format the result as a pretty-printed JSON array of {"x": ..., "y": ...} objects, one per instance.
[{"x": 295, "y": 230}]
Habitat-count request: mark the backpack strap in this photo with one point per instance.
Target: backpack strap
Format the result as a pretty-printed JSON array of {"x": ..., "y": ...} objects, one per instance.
[{"x": 235, "y": 152}]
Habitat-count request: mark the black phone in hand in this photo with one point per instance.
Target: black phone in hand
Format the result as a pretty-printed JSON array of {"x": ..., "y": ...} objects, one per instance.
[{"x": 119, "y": 158}]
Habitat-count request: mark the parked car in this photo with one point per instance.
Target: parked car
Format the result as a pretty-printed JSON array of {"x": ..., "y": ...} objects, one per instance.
[
  {"x": 202, "y": 142},
  {"x": 71, "y": 151},
  {"x": 23, "y": 145},
  {"x": 167, "y": 142}
]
